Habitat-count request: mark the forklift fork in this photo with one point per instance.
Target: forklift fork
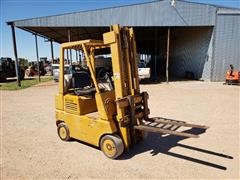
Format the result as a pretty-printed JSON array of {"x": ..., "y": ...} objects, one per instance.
[{"x": 168, "y": 126}]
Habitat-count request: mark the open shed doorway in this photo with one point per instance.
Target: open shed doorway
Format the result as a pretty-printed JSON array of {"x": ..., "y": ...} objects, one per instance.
[{"x": 189, "y": 52}]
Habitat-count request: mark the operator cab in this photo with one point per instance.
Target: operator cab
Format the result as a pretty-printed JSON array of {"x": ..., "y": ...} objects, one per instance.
[
  {"x": 90, "y": 78},
  {"x": 78, "y": 79}
]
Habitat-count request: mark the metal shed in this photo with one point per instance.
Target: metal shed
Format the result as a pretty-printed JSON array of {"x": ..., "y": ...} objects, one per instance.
[{"x": 204, "y": 38}]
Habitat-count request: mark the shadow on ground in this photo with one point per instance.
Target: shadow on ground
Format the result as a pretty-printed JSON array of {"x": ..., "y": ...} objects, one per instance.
[
  {"x": 163, "y": 80},
  {"x": 157, "y": 144}
]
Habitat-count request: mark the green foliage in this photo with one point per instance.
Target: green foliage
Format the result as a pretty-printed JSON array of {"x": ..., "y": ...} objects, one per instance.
[
  {"x": 23, "y": 63},
  {"x": 24, "y": 83}
]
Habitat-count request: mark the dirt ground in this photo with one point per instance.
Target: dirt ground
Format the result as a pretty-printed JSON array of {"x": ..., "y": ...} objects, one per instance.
[{"x": 30, "y": 147}]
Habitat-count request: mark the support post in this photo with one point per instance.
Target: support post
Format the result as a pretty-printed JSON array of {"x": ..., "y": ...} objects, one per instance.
[
  {"x": 36, "y": 42},
  {"x": 52, "y": 53},
  {"x": 80, "y": 57},
  {"x": 168, "y": 47},
  {"x": 69, "y": 40},
  {"x": 155, "y": 55},
  {"x": 67, "y": 56},
  {"x": 76, "y": 56},
  {"x": 16, "y": 56}
]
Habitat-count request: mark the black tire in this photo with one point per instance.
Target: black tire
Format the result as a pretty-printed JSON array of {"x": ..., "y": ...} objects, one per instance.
[
  {"x": 63, "y": 132},
  {"x": 112, "y": 146}
]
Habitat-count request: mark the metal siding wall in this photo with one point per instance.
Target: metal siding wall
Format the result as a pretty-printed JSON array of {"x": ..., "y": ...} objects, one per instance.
[
  {"x": 159, "y": 13},
  {"x": 206, "y": 75},
  {"x": 227, "y": 45},
  {"x": 196, "y": 14},
  {"x": 191, "y": 51}
]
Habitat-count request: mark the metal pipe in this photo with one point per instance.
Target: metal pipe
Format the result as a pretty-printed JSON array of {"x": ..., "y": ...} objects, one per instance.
[
  {"x": 67, "y": 55},
  {"x": 16, "y": 56},
  {"x": 80, "y": 57},
  {"x": 36, "y": 42},
  {"x": 69, "y": 40},
  {"x": 76, "y": 56},
  {"x": 168, "y": 47},
  {"x": 155, "y": 55},
  {"x": 52, "y": 53}
]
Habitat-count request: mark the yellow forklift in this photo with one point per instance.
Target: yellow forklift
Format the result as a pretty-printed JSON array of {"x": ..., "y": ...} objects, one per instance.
[{"x": 106, "y": 109}]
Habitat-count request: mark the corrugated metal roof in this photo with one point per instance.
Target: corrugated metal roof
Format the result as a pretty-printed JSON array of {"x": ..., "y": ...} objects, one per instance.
[
  {"x": 228, "y": 11},
  {"x": 146, "y": 18},
  {"x": 157, "y": 13},
  {"x": 209, "y": 4}
]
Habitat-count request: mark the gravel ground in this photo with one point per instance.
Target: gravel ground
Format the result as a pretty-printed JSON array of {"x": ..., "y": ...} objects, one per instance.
[{"x": 30, "y": 147}]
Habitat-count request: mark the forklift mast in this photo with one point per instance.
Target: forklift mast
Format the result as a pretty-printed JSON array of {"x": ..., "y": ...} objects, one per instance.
[
  {"x": 112, "y": 118},
  {"x": 126, "y": 82}
]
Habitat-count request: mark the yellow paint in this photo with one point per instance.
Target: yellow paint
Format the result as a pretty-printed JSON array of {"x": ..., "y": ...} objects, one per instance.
[
  {"x": 90, "y": 117},
  {"x": 109, "y": 37},
  {"x": 88, "y": 129},
  {"x": 79, "y": 105},
  {"x": 106, "y": 104},
  {"x": 59, "y": 101}
]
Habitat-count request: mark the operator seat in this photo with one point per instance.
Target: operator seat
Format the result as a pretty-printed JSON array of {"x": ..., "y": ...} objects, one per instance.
[{"x": 81, "y": 82}]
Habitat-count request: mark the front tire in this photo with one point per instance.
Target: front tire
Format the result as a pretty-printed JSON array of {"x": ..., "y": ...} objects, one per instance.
[
  {"x": 112, "y": 146},
  {"x": 63, "y": 131}
]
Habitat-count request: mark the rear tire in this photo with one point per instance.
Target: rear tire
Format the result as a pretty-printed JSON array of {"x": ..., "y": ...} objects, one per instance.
[
  {"x": 112, "y": 146},
  {"x": 63, "y": 131}
]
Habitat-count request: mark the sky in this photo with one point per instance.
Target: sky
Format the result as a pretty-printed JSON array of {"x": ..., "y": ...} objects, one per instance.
[{"x": 20, "y": 9}]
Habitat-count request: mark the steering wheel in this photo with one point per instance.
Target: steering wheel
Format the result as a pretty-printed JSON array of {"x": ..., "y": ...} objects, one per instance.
[
  {"x": 104, "y": 77},
  {"x": 102, "y": 74}
]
